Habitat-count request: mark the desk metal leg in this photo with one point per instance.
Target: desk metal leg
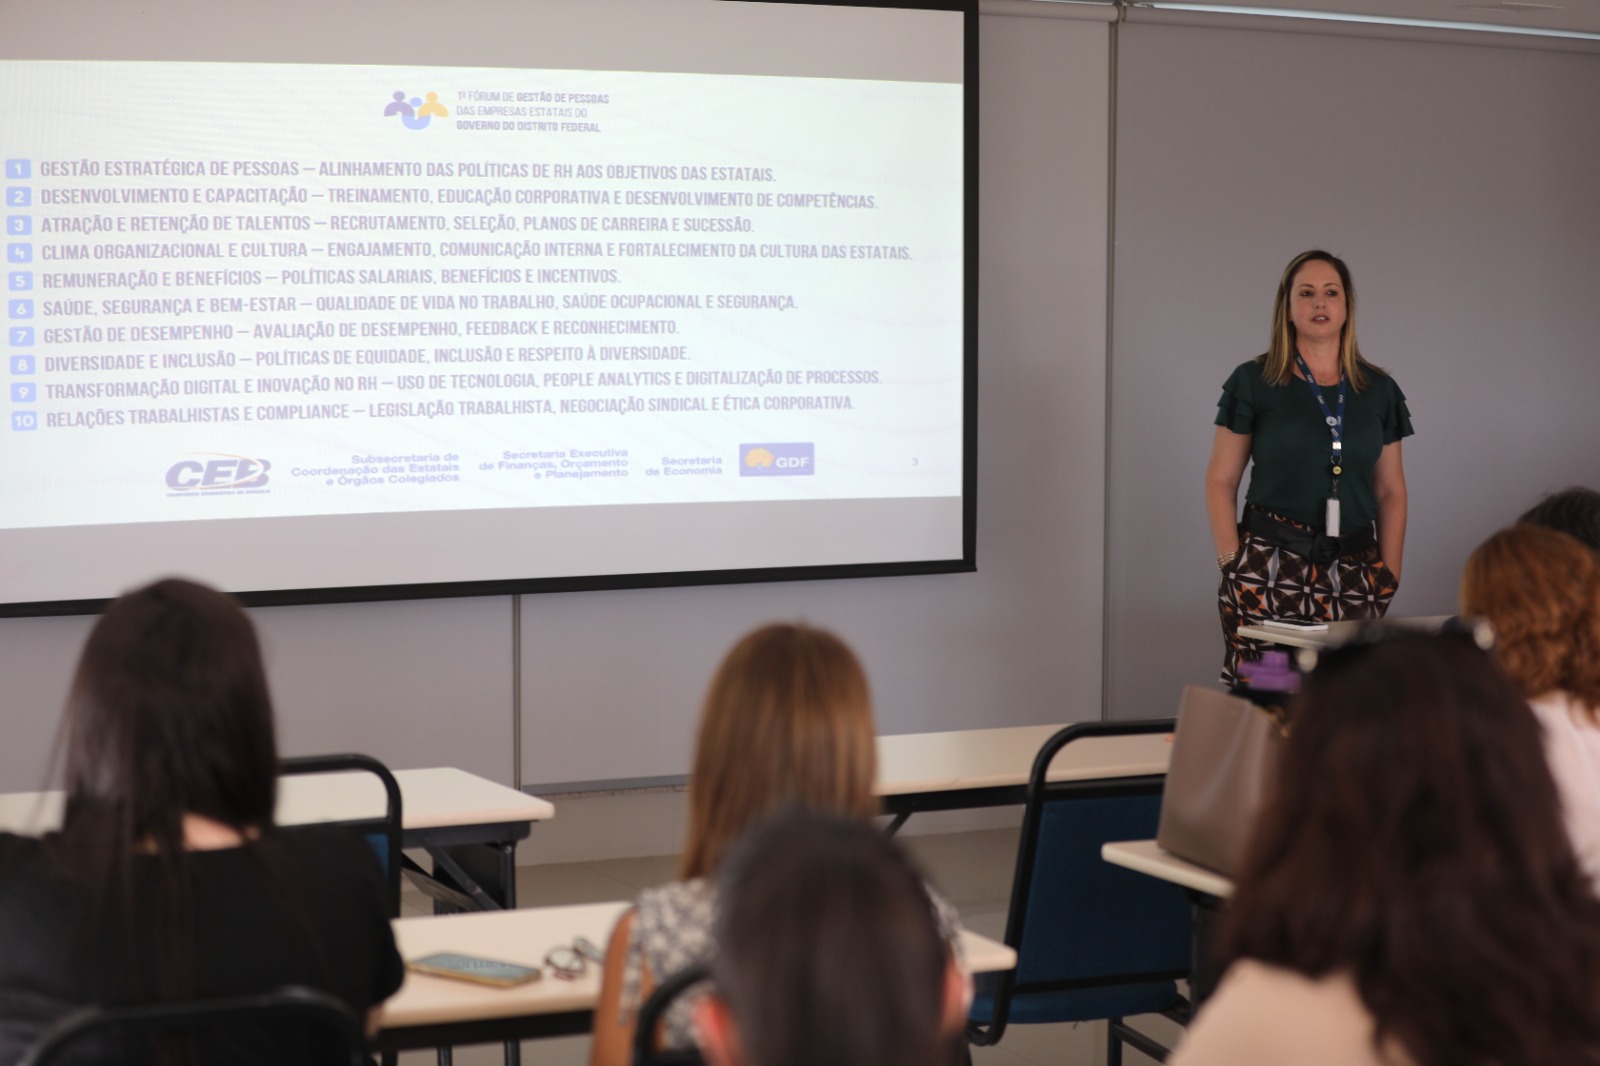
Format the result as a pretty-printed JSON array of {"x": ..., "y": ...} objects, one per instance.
[
  {"x": 1205, "y": 920},
  {"x": 508, "y": 898},
  {"x": 487, "y": 874}
]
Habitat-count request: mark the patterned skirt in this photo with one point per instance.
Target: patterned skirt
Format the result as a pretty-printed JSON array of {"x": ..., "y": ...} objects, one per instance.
[{"x": 1267, "y": 581}]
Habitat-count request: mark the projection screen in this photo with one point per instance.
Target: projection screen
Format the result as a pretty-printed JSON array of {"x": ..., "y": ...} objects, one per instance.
[{"x": 358, "y": 300}]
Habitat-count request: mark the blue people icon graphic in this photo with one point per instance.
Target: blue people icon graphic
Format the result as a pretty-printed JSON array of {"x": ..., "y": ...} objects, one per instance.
[
  {"x": 414, "y": 113},
  {"x": 416, "y": 122}
]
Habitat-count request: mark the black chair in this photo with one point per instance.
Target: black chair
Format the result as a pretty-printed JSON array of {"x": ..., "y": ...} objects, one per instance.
[
  {"x": 645, "y": 1052},
  {"x": 100, "y": 1035},
  {"x": 1093, "y": 941},
  {"x": 382, "y": 833}
]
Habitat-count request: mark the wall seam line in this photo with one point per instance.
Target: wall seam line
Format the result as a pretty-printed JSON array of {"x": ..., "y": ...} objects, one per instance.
[
  {"x": 516, "y": 691},
  {"x": 1114, "y": 35}
]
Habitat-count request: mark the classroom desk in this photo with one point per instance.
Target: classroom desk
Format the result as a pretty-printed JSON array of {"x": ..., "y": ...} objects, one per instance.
[
  {"x": 1147, "y": 857},
  {"x": 1336, "y": 633},
  {"x": 440, "y": 1012},
  {"x": 1206, "y": 890},
  {"x": 990, "y": 767},
  {"x": 468, "y": 825}
]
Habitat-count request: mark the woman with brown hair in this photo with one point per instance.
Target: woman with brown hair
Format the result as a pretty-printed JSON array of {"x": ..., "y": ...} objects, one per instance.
[
  {"x": 1324, "y": 523},
  {"x": 1541, "y": 592},
  {"x": 1410, "y": 897},
  {"x": 787, "y": 722}
]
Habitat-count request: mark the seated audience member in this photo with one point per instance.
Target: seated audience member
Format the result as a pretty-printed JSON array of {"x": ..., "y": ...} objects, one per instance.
[
  {"x": 787, "y": 722},
  {"x": 828, "y": 951},
  {"x": 1574, "y": 511},
  {"x": 167, "y": 880},
  {"x": 1410, "y": 897},
  {"x": 1540, "y": 590}
]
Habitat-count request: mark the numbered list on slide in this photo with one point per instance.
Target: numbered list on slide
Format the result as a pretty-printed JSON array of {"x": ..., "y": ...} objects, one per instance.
[{"x": 463, "y": 289}]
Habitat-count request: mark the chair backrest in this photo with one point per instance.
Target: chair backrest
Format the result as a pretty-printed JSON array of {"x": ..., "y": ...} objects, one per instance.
[
  {"x": 1076, "y": 921},
  {"x": 382, "y": 834},
  {"x": 645, "y": 1052},
  {"x": 101, "y": 1035}
]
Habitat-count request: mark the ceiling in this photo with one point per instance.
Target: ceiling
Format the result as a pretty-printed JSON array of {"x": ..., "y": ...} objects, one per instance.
[{"x": 1572, "y": 16}]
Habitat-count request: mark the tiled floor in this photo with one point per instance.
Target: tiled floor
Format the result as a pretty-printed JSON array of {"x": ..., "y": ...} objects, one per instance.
[{"x": 972, "y": 869}]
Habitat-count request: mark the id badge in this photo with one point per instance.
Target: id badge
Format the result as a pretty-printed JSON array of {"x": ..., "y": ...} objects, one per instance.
[{"x": 1332, "y": 524}]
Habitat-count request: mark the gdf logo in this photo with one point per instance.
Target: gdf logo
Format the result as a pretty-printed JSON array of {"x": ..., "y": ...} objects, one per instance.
[
  {"x": 775, "y": 459},
  {"x": 220, "y": 471}
]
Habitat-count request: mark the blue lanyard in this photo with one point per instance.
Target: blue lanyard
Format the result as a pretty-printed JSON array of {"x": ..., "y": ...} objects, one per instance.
[{"x": 1334, "y": 419}]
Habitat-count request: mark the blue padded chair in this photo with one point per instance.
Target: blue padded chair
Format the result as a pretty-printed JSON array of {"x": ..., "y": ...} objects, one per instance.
[
  {"x": 382, "y": 833},
  {"x": 330, "y": 1031},
  {"x": 1093, "y": 940}
]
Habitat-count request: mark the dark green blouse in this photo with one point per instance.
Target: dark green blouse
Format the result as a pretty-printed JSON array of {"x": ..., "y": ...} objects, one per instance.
[{"x": 1290, "y": 442}]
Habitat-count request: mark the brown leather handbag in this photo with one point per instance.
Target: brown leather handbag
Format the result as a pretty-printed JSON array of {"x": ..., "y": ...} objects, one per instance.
[{"x": 1225, "y": 751}]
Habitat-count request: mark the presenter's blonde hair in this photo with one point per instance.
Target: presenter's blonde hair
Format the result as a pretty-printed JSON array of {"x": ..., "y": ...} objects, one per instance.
[
  {"x": 1278, "y": 362},
  {"x": 787, "y": 722}
]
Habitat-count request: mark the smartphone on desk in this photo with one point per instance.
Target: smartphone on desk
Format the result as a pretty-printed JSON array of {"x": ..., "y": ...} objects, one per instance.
[
  {"x": 1301, "y": 624},
  {"x": 477, "y": 970}
]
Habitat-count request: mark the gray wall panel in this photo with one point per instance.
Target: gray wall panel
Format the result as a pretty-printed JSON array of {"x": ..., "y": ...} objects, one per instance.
[
  {"x": 424, "y": 683},
  {"x": 612, "y": 681},
  {"x": 1459, "y": 183},
  {"x": 415, "y": 684},
  {"x": 36, "y": 660}
]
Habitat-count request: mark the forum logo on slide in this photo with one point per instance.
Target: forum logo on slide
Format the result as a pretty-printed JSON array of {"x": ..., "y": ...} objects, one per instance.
[
  {"x": 415, "y": 113},
  {"x": 777, "y": 460},
  {"x": 217, "y": 472}
]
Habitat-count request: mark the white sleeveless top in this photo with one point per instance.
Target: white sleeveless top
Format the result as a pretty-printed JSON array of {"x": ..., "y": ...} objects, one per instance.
[{"x": 1572, "y": 748}]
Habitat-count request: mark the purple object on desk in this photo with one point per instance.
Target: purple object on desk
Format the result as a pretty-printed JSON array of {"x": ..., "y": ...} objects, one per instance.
[{"x": 1271, "y": 674}]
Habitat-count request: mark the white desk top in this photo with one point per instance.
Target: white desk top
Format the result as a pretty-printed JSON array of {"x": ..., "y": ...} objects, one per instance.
[
  {"x": 429, "y": 799},
  {"x": 1336, "y": 633},
  {"x": 520, "y": 936},
  {"x": 986, "y": 758},
  {"x": 1146, "y": 857},
  {"x": 525, "y": 937}
]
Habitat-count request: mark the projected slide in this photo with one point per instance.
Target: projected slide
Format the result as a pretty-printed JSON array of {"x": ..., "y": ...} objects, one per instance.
[
  {"x": 273, "y": 290},
  {"x": 387, "y": 298}
]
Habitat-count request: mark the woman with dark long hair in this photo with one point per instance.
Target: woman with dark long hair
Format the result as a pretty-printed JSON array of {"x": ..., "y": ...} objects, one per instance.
[
  {"x": 168, "y": 880},
  {"x": 1410, "y": 897}
]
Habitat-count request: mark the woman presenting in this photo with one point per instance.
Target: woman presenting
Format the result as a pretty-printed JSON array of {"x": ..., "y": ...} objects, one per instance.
[{"x": 1323, "y": 427}]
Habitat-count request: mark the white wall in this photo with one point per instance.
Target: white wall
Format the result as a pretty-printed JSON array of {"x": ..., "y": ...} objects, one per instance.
[{"x": 1458, "y": 182}]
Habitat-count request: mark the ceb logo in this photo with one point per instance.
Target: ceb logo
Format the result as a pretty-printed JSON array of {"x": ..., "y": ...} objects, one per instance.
[{"x": 221, "y": 471}]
